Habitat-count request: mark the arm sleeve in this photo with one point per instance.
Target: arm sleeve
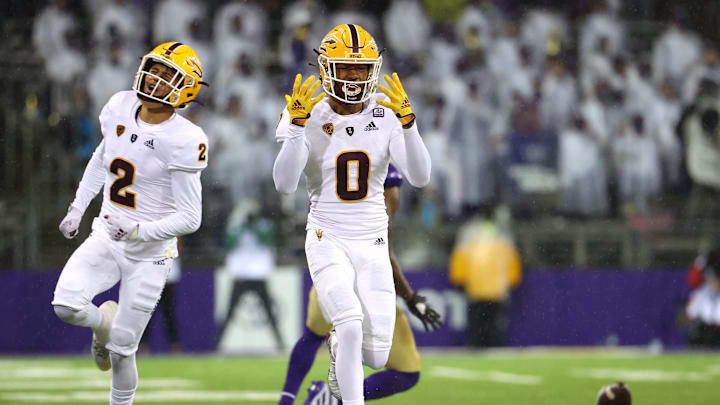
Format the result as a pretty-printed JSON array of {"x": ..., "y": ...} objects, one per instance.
[
  {"x": 191, "y": 156},
  {"x": 291, "y": 159},
  {"x": 411, "y": 156},
  {"x": 92, "y": 180},
  {"x": 187, "y": 192}
]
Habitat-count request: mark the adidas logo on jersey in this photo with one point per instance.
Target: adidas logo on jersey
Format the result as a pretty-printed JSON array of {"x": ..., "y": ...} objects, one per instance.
[
  {"x": 149, "y": 144},
  {"x": 379, "y": 241},
  {"x": 371, "y": 127}
]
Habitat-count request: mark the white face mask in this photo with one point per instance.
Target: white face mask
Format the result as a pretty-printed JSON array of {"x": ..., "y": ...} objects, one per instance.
[{"x": 353, "y": 92}]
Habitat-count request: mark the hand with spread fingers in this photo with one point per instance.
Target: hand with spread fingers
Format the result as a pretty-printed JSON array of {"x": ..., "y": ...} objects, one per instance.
[
  {"x": 399, "y": 102},
  {"x": 418, "y": 306},
  {"x": 301, "y": 103}
]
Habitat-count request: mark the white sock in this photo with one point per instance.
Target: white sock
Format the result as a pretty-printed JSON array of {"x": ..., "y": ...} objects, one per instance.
[
  {"x": 348, "y": 361},
  {"x": 124, "y": 379}
]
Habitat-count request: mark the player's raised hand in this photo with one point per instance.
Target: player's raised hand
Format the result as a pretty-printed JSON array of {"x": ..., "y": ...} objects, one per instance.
[
  {"x": 301, "y": 103},
  {"x": 418, "y": 306},
  {"x": 70, "y": 224},
  {"x": 120, "y": 228},
  {"x": 399, "y": 102}
]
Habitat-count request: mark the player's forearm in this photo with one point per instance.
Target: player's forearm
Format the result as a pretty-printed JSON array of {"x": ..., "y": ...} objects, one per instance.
[
  {"x": 92, "y": 180},
  {"x": 187, "y": 192},
  {"x": 402, "y": 287},
  {"x": 290, "y": 161},
  {"x": 412, "y": 156}
]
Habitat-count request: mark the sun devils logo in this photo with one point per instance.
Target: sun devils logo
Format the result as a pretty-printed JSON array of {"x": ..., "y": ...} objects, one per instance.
[
  {"x": 195, "y": 63},
  {"x": 329, "y": 128},
  {"x": 318, "y": 232},
  {"x": 120, "y": 130}
]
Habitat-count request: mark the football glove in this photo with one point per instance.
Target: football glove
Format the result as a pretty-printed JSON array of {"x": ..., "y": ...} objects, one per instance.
[
  {"x": 417, "y": 304},
  {"x": 119, "y": 228},
  {"x": 70, "y": 224},
  {"x": 399, "y": 102},
  {"x": 301, "y": 103}
]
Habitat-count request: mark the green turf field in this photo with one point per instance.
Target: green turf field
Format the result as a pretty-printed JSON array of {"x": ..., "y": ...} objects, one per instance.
[{"x": 554, "y": 377}]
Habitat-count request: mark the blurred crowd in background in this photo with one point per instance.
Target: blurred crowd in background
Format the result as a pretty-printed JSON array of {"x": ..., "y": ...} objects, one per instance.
[{"x": 541, "y": 109}]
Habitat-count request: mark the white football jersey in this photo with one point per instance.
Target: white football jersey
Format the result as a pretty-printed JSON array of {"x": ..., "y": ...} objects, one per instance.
[
  {"x": 346, "y": 168},
  {"x": 138, "y": 158}
]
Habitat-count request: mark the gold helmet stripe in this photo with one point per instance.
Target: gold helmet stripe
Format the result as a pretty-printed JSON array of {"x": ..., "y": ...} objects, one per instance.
[
  {"x": 355, "y": 42},
  {"x": 172, "y": 47}
]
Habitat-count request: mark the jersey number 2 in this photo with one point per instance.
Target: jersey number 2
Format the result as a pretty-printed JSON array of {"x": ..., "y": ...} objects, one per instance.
[
  {"x": 352, "y": 185},
  {"x": 118, "y": 194}
]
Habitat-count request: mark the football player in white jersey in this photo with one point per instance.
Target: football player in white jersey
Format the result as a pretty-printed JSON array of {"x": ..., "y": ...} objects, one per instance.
[
  {"x": 148, "y": 165},
  {"x": 344, "y": 148}
]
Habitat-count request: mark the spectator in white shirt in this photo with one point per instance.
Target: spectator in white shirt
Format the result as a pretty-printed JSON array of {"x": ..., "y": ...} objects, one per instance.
[
  {"x": 582, "y": 171},
  {"x": 559, "y": 96},
  {"x": 708, "y": 68},
  {"x": 674, "y": 54},
  {"x": 108, "y": 76},
  {"x": 602, "y": 23},
  {"x": 244, "y": 20},
  {"x": 545, "y": 32},
  {"x": 407, "y": 29},
  {"x": 662, "y": 114},
  {"x": 637, "y": 162},
  {"x": 120, "y": 21},
  {"x": 173, "y": 18}
]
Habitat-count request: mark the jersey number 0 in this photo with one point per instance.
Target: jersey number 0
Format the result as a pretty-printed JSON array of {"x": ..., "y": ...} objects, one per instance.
[
  {"x": 352, "y": 185},
  {"x": 126, "y": 176}
]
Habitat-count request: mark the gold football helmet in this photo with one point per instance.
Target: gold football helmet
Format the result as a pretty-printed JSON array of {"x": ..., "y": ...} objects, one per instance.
[
  {"x": 349, "y": 44},
  {"x": 184, "y": 78}
]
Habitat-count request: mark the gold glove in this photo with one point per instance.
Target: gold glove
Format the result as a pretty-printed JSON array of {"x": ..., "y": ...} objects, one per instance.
[
  {"x": 302, "y": 102},
  {"x": 399, "y": 102}
]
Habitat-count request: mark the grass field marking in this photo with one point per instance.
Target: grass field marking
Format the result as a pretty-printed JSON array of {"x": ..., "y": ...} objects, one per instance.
[
  {"x": 714, "y": 369},
  {"x": 50, "y": 372},
  {"x": 153, "y": 396},
  {"x": 72, "y": 383},
  {"x": 494, "y": 376},
  {"x": 646, "y": 375}
]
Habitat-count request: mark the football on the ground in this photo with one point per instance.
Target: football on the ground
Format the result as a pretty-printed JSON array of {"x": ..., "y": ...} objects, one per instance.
[{"x": 614, "y": 394}]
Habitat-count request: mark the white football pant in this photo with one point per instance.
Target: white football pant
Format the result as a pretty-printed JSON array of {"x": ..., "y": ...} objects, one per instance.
[
  {"x": 95, "y": 267},
  {"x": 354, "y": 281}
]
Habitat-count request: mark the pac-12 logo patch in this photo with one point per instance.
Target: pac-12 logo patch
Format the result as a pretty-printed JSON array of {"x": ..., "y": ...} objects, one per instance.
[
  {"x": 378, "y": 112},
  {"x": 133, "y": 138},
  {"x": 350, "y": 130},
  {"x": 328, "y": 128},
  {"x": 120, "y": 130}
]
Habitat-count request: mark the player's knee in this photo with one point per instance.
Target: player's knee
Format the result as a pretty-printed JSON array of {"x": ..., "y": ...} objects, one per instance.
[
  {"x": 350, "y": 333},
  {"x": 122, "y": 341},
  {"x": 375, "y": 359},
  {"x": 67, "y": 314}
]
